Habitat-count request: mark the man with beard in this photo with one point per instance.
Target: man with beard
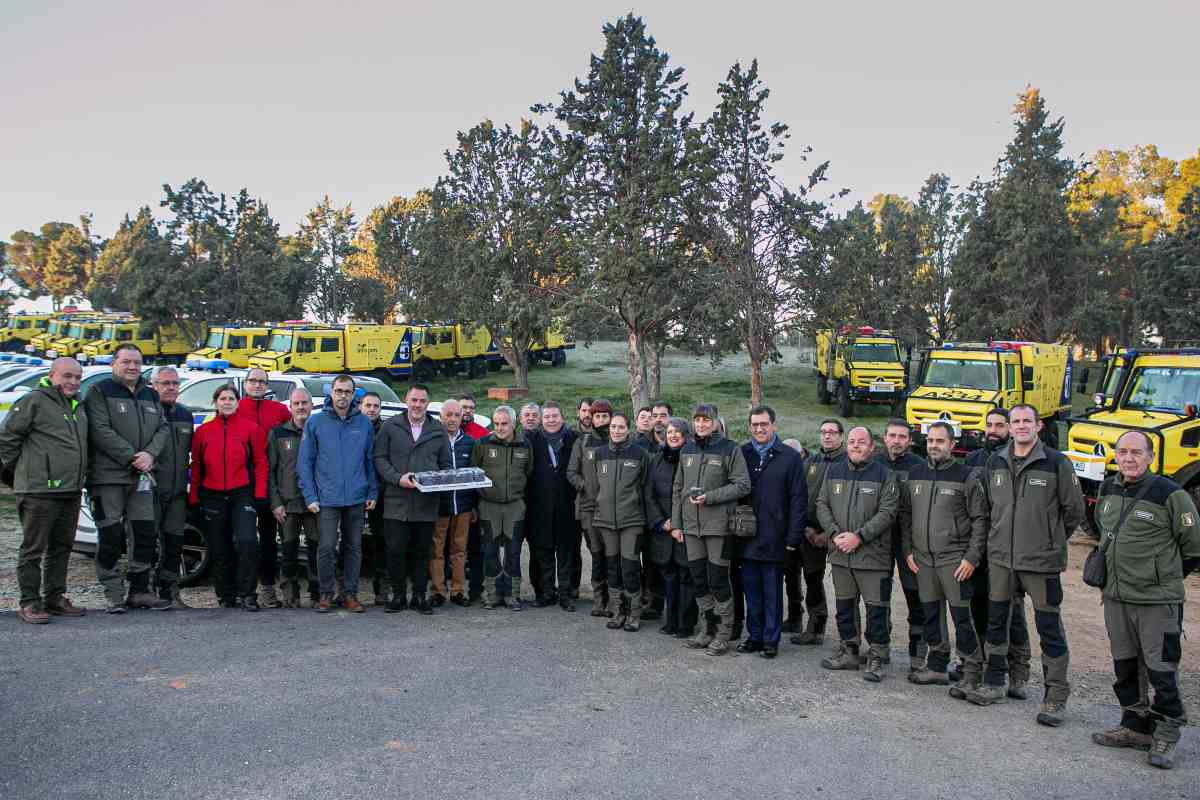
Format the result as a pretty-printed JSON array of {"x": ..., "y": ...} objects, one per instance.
[
  {"x": 171, "y": 483},
  {"x": 583, "y": 416},
  {"x": 371, "y": 405},
  {"x": 581, "y": 472},
  {"x": 287, "y": 501},
  {"x": 897, "y": 439},
  {"x": 1020, "y": 655}
]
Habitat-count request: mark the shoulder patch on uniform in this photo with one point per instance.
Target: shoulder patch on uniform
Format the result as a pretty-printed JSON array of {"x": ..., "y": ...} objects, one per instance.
[
  {"x": 1038, "y": 482},
  {"x": 591, "y": 455},
  {"x": 837, "y": 487},
  {"x": 1149, "y": 515},
  {"x": 999, "y": 479},
  {"x": 715, "y": 462},
  {"x": 916, "y": 488},
  {"x": 1186, "y": 519},
  {"x": 492, "y": 452},
  {"x": 690, "y": 461}
]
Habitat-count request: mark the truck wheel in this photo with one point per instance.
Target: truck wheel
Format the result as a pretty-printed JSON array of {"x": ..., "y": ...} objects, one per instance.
[
  {"x": 423, "y": 370},
  {"x": 476, "y": 368},
  {"x": 494, "y": 365},
  {"x": 823, "y": 390},
  {"x": 845, "y": 405},
  {"x": 558, "y": 358},
  {"x": 1050, "y": 432},
  {"x": 193, "y": 566}
]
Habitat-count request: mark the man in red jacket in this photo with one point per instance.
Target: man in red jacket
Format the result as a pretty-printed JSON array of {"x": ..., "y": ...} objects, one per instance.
[
  {"x": 266, "y": 414},
  {"x": 469, "y": 426}
]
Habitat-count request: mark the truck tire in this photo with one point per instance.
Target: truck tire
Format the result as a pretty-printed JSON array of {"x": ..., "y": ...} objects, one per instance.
[
  {"x": 424, "y": 370},
  {"x": 476, "y": 368},
  {"x": 845, "y": 405},
  {"x": 194, "y": 564},
  {"x": 558, "y": 358},
  {"x": 495, "y": 364},
  {"x": 823, "y": 390}
]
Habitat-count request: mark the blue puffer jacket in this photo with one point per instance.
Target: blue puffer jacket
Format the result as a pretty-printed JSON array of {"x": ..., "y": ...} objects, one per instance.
[{"x": 336, "y": 466}]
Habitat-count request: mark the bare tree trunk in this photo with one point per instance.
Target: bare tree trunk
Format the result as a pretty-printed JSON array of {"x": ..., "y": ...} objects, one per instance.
[
  {"x": 654, "y": 357},
  {"x": 637, "y": 370},
  {"x": 516, "y": 358},
  {"x": 756, "y": 372}
]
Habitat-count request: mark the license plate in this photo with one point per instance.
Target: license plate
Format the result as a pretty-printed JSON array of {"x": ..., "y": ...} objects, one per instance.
[
  {"x": 957, "y": 426},
  {"x": 1087, "y": 466},
  {"x": 883, "y": 387}
]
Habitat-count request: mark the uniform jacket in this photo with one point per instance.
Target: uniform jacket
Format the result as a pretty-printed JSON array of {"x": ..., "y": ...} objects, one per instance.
[
  {"x": 1145, "y": 559},
  {"x": 337, "y": 465},
  {"x": 621, "y": 472},
  {"x": 1034, "y": 509},
  {"x": 122, "y": 423},
  {"x": 396, "y": 453},
  {"x": 461, "y": 502},
  {"x": 779, "y": 495},
  {"x": 943, "y": 515},
  {"x": 44, "y": 440},
  {"x": 581, "y": 471},
  {"x": 660, "y": 485},
  {"x": 717, "y": 466},
  {"x": 864, "y": 500},
  {"x": 550, "y": 495},
  {"x": 283, "y": 455},
  {"x": 228, "y": 453},
  {"x": 266, "y": 414},
  {"x": 509, "y": 465},
  {"x": 815, "y": 468},
  {"x": 173, "y": 466}
]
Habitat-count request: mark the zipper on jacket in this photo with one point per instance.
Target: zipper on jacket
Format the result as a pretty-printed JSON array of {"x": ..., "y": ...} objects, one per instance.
[{"x": 929, "y": 515}]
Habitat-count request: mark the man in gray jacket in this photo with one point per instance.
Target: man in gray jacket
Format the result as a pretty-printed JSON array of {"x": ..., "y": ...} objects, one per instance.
[
  {"x": 408, "y": 443},
  {"x": 1034, "y": 504},
  {"x": 43, "y": 447},
  {"x": 171, "y": 483},
  {"x": 127, "y": 434}
]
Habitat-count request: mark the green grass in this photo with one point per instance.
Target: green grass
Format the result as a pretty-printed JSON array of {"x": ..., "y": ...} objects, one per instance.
[{"x": 599, "y": 371}]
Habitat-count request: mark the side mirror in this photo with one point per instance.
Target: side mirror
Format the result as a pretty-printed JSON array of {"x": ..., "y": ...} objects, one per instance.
[{"x": 1083, "y": 380}]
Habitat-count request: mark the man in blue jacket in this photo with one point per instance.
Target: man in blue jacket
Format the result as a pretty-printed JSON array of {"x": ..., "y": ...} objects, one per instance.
[
  {"x": 337, "y": 478},
  {"x": 779, "y": 496}
]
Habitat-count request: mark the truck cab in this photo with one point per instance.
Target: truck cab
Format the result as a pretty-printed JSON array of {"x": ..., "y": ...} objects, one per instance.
[
  {"x": 1156, "y": 391},
  {"x": 960, "y": 383},
  {"x": 78, "y": 334},
  {"x": 303, "y": 349},
  {"x": 859, "y": 365},
  {"x": 234, "y": 344},
  {"x": 20, "y": 329},
  {"x": 155, "y": 343}
]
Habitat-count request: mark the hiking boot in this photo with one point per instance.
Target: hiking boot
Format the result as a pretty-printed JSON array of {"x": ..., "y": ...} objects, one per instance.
[
  {"x": 917, "y": 664},
  {"x": 268, "y": 598},
  {"x": 325, "y": 604},
  {"x": 489, "y": 603},
  {"x": 291, "y": 594},
  {"x": 633, "y": 625},
  {"x": 598, "y": 609},
  {"x": 147, "y": 600},
  {"x": 513, "y": 604},
  {"x": 394, "y": 606},
  {"x": 955, "y": 671},
  {"x": 702, "y": 638},
  {"x": 33, "y": 615},
  {"x": 351, "y": 603},
  {"x": 63, "y": 607},
  {"x": 1051, "y": 713},
  {"x": 813, "y": 634},
  {"x": 874, "y": 671},
  {"x": 717, "y": 647},
  {"x": 1162, "y": 754},
  {"x": 963, "y": 686},
  {"x": 928, "y": 677},
  {"x": 250, "y": 603},
  {"x": 1017, "y": 689},
  {"x": 842, "y": 658},
  {"x": 987, "y": 695},
  {"x": 114, "y": 607},
  {"x": 1123, "y": 737},
  {"x": 177, "y": 602},
  {"x": 616, "y": 622},
  {"x": 459, "y": 600}
]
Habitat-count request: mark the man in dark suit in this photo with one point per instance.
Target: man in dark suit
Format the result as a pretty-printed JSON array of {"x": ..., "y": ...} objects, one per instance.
[{"x": 550, "y": 524}]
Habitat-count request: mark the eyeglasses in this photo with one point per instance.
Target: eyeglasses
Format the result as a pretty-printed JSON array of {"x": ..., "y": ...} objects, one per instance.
[
  {"x": 760, "y": 424},
  {"x": 342, "y": 391},
  {"x": 167, "y": 383}
]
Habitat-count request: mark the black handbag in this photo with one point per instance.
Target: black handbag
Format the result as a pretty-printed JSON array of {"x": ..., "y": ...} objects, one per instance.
[
  {"x": 743, "y": 523},
  {"x": 1095, "y": 568}
]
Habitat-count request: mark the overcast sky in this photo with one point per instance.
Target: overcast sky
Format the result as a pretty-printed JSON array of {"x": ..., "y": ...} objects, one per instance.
[{"x": 103, "y": 102}]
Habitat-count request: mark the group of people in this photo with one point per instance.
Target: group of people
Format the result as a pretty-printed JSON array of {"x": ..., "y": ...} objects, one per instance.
[{"x": 682, "y": 523}]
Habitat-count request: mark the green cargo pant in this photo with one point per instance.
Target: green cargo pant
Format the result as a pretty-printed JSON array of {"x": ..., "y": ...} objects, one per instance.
[
  {"x": 501, "y": 532},
  {"x": 624, "y": 567},
  {"x": 1046, "y": 594},
  {"x": 938, "y": 587},
  {"x": 874, "y": 586},
  {"x": 48, "y": 523},
  {"x": 1146, "y": 652}
]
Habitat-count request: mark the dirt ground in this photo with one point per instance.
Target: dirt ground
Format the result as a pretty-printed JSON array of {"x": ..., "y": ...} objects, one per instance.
[{"x": 1091, "y": 665}]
